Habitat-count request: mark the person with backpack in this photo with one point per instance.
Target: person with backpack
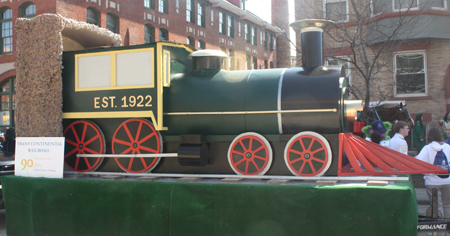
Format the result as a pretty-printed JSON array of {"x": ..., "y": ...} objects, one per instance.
[{"x": 437, "y": 152}]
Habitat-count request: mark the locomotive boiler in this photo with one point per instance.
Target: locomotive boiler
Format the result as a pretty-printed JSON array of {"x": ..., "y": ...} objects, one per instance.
[{"x": 165, "y": 99}]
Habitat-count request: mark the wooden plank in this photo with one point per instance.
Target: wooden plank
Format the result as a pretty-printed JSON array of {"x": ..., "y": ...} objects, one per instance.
[
  {"x": 230, "y": 180},
  {"x": 326, "y": 182},
  {"x": 278, "y": 181},
  {"x": 189, "y": 179},
  {"x": 377, "y": 183},
  {"x": 147, "y": 178}
]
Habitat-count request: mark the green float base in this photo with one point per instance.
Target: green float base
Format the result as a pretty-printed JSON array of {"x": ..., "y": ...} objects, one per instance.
[{"x": 41, "y": 206}]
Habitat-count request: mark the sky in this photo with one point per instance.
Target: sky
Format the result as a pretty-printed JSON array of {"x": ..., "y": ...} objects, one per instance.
[{"x": 262, "y": 8}]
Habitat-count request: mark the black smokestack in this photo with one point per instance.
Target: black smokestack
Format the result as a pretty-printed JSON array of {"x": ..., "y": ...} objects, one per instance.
[{"x": 312, "y": 41}]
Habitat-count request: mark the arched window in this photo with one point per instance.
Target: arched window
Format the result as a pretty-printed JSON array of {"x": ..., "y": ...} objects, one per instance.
[
  {"x": 111, "y": 22},
  {"x": 7, "y": 105},
  {"x": 28, "y": 10},
  {"x": 92, "y": 16},
  {"x": 6, "y": 42},
  {"x": 191, "y": 41},
  {"x": 230, "y": 59},
  {"x": 224, "y": 64},
  {"x": 255, "y": 63},
  {"x": 201, "y": 44},
  {"x": 149, "y": 34},
  {"x": 248, "y": 62},
  {"x": 163, "y": 34}
]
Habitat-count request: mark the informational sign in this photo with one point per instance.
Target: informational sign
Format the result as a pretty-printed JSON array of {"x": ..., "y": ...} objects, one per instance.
[{"x": 39, "y": 157}]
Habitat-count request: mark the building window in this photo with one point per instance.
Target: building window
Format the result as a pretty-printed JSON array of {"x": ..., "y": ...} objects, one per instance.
[
  {"x": 190, "y": 11},
  {"x": 254, "y": 35},
  {"x": 271, "y": 64},
  {"x": 255, "y": 63},
  {"x": 6, "y": 29},
  {"x": 149, "y": 34},
  {"x": 410, "y": 74},
  {"x": 266, "y": 64},
  {"x": 271, "y": 42},
  {"x": 163, "y": 34},
  {"x": 162, "y": 6},
  {"x": 7, "y": 105},
  {"x": 191, "y": 41},
  {"x": 201, "y": 44},
  {"x": 201, "y": 14},
  {"x": 242, "y": 5},
  {"x": 246, "y": 33},
  {"x": 335, "y": 10},
  {"x": 265, "y": 39},
  {"x": 231, "y": 60},
  {"x": 28, "y": 10},
  {"x": 111, "y": 22},
  {"x": 239, "y": 28},
  {"x": 230, "y": 26},
  {"x": 248, "y": 62},
  {"x": 212, "y": 17},
  {"x": 221, "y": 23},
  {"x": 149, "y": 4},
  {"x": 439, "y": 4},
  {"x": 92, "y": 16},
  {"x": 405, "y": 4}
]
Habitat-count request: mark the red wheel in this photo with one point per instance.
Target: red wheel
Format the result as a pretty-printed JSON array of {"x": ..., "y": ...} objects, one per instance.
[
  {"x": 308, "y": 154},
  {"x": 136, "y": 136},
  {"x": 83, "y": 137},
  {"x": 250, "y": 154}
]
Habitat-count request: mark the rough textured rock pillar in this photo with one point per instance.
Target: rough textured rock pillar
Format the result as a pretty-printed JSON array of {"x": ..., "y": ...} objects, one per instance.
[
  {"x": 280, "y": 18},
  {"x": 39, "y": 67},
  {"x": 39, "y": 84}
]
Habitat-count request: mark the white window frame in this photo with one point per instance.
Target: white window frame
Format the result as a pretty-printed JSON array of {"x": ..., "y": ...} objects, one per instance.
[
  {"x": 324, "y": 5},
  {"x": 221, "y": 22},
  {"x": 372, "y": 9},
  {"x": 189, "y": 11},
  {"x": 441, "y": 8},
  {"x": 404, "y": 9},
  {"x": 239, "y": 28},
  {"x": 394, "y": 66}
]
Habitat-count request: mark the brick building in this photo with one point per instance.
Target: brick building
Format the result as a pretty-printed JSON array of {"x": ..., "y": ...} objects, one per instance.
[
  {"x": 417, "y": 66},
  {"x": 209, "y": 24}
]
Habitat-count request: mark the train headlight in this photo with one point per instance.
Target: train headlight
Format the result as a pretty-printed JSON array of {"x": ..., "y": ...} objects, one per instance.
[{"x": 351, "y": 108}]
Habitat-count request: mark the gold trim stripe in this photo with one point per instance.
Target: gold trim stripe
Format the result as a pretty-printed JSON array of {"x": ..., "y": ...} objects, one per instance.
[
  {"x": 108, "y": 114},
  {"x": 248, "y": 112}
]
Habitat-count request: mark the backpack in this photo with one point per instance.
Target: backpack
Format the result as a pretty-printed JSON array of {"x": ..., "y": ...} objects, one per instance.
[{"x": 441, "y": 161}]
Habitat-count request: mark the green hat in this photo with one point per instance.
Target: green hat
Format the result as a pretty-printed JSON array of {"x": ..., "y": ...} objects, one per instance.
[{"x": 419, "y": 115}]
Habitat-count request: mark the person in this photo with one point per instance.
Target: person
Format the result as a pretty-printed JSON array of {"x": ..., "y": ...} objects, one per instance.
[
  {"x": 447, "y": 130},
  {"x": 398, "y": 142},
  {"x": 418, "y": 136},
  {"x": 428, "y": 154},
  {"x": 442, "y": 127},
  {"x": 9, "y": 145},
  {"x": 446, "y": 121},
  {"x": 382, "y": 128},
  {"x": 375, "y": 137}
]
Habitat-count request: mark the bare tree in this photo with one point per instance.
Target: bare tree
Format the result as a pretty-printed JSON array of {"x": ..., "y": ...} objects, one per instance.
[{"x": 366, "y": 34}]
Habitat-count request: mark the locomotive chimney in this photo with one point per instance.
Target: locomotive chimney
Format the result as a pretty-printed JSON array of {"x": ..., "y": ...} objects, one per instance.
[{"x": 312, "y": 41}]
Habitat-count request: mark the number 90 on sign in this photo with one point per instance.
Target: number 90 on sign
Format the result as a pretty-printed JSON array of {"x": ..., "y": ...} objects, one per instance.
[{"x": 26, "y": 163}]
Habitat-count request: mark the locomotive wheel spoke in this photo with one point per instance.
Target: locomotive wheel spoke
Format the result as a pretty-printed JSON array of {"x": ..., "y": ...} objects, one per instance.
[
  {"x": 318, "y": 160},
  {"x": 136, "y": 136},
  {"x": 315, "y": 157},
  {"x": 147, "y": 149},
  {"x": 81, "y": 137},
  {"x": 123, "y": 142},
  {"x": 250, "y": 154},
  {"x": 71, "y": 143},
  {"x": 146, "y": 138},
  {"x": 261, "y": 158}
]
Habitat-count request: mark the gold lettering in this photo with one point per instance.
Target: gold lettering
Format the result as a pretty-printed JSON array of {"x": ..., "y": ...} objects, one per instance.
[
  {"x": 111, "y": 98},
  {"x": 96, "y": 102},
  {"x": 105, "y": 102}
]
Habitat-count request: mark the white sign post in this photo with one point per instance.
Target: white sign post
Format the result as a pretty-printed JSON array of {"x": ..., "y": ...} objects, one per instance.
[{"x": 39, "y": 157}]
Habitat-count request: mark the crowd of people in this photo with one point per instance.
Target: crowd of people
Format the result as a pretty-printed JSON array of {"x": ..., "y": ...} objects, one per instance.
[{"x": 435, "y": 151}]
